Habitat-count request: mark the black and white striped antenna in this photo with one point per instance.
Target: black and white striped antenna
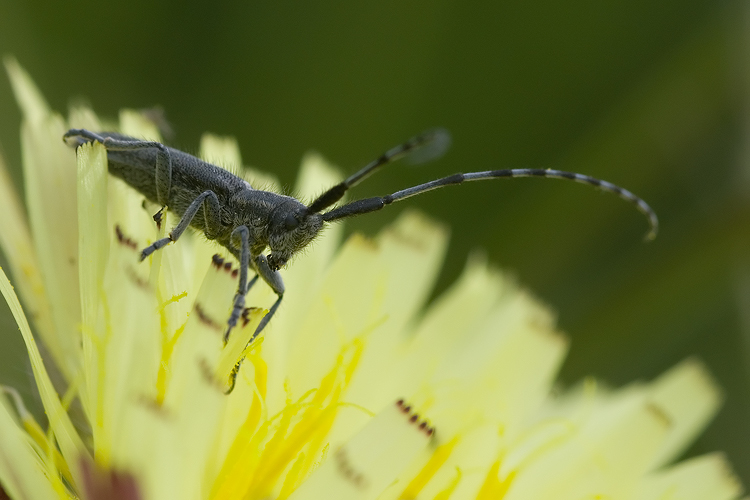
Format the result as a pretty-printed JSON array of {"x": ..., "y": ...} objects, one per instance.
[{"x": 432, "y": 144}]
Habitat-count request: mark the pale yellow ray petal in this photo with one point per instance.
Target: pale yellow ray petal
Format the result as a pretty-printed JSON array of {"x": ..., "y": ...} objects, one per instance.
[
  {"x": 412, "y": 480},
  {"x": 175, "y": 280},
  {"x": 127, "y": 350},
  {"x": 224, "y": 152},
  {"x": 30, "y": 99},
  {"x": 200, "y": 347},
  {"x": 221, "y": 151},
  {"x": 84, "y": 117},
  {"x": 484, "y": 410},
  {"x": 463, "y": 470},
  {"x": 148, "y": 448},
  {"x": 413, "y": 248},
  {"x": 201, "y": 365},
  {"x": 126, "y": 205},
  {"x": 134, "y": 124},
  {"x": 44, "y": 442},
  {"x": 707, "y": 476},
  {"x": 49, "y": 174},
  {"x": 93, "y": 245},
  {"x": 605, "y": 455},
  {"x": 502, "y": 372},
  {"x": 357, "y": 296},
  {"x": 176, "y": 462},
  {"x": 348, "y": 304},
  {"x": 70, "y": 443},
  {"x": 167, "y": 444},
  {"x": 485, "y": 391},
  {"x": 198, "y": 426},
  {"x": 49, "y": 179},
  {"x": 690, "y": 398},
  {"x": 369, "y": 462},
  {"x": 451, "y": 321},
  {"x": 16, "y": 244},
  {"x": 129, "y": 213},
  {"x": 410, "y": 251},
  {"x": 22, "y": 472},
  {"x": 122, "y": 353}
]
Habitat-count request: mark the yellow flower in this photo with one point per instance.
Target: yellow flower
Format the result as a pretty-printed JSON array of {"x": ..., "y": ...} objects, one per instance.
[{"x": 354, "y": 392}]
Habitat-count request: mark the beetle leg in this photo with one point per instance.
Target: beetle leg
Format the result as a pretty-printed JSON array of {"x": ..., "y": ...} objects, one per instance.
[
  {"x": 273, "y": 279},
  {"x": 210, "y": 204}
]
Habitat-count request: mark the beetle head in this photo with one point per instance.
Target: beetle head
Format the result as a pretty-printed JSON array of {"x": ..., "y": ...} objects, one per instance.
[{"x": 292, "y": 227}]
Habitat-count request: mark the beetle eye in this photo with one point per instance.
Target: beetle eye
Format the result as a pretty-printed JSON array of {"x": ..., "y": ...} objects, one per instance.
[{"x": 290, "y": 222}]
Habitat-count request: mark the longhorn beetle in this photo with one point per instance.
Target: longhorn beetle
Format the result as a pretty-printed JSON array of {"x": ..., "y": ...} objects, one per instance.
[{"x": 246, "y": 220}]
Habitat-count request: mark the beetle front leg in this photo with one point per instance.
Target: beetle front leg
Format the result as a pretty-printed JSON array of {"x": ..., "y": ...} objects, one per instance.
[{"x": 273, "y": 279}]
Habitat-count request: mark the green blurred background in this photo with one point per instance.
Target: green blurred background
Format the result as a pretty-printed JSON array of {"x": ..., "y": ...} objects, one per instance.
[{"x": 650, "y": 95}]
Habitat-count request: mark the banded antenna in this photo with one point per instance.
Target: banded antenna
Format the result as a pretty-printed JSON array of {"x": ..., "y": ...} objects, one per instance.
[{"x": 432, "y": 144}]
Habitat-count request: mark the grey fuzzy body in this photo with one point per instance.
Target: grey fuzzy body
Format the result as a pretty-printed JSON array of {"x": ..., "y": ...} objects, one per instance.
[{"x": 239, "y": 203}]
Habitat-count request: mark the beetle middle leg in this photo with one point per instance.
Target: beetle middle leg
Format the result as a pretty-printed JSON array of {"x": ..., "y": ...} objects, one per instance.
[
  {"x": 241, "y": 239},
  {"x": 240, "y": 235},
  {"x": 210, "y": 204}
]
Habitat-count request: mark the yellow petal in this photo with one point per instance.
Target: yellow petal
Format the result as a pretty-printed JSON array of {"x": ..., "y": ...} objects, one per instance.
[
  {"x": 16, "y": 244},
  {"x": 84, "y": 117},
  {"x": 49, "y": 175},
  {"x": 367, "y": 464},
  {"x": 690, "y": 398},
  {"x": 33, "y": 105},
  {"x": 605, "y": 455},
  {"x": 513, "y": 356},
  {"x": 70, "y": 443},
  {"x": 707, "y": 476},
  {"x": 221, "y": 151},
  {"x": 22, "y": 473},
  {"x": 135, "y": 124},
  {"x": 408, "y": 254},
  {"x": 451, "y": 320},
  {"x": 93, "y": 238}
]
